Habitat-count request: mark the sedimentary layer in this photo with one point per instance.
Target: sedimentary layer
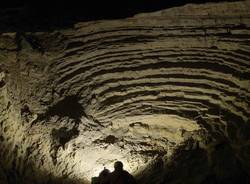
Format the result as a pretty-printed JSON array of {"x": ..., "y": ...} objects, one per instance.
[{"x": 74, "y": 100}]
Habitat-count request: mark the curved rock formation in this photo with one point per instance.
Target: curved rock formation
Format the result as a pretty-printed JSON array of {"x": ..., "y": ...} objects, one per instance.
[{"x": 165, "y": 92}]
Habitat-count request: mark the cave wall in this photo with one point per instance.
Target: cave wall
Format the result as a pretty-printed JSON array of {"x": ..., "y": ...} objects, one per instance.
[{"x": 167, "y": 93}]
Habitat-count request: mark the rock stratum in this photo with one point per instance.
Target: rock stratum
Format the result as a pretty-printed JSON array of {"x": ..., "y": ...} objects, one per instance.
[{"x": 167, "y": 93}]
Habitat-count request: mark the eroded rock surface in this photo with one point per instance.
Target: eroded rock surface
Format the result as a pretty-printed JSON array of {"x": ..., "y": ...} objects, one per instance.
[{"x": 167, "y": 93}]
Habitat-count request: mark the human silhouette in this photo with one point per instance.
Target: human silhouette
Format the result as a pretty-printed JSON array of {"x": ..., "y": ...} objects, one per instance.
[
  {"x": 103, "y": 176},
  {"x": 120, "y": 176}
]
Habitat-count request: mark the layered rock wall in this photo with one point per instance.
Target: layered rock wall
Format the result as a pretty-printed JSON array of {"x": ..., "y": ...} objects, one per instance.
[{"x": 168, "y": 88}]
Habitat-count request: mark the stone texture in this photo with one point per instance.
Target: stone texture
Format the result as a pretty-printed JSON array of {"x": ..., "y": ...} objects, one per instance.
[{"x": 167, "y": 93}]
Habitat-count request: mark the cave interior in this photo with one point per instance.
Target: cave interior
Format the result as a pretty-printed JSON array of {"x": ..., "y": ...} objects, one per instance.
[{"x": 163, "y": 86}]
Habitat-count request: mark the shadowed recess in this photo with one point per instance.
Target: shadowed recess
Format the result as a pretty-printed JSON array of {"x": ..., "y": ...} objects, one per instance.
[{"x": 167, "y": 92}]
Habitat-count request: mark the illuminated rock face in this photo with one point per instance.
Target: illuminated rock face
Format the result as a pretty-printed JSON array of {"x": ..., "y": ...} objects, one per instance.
[{"x": 167, "y": 93}]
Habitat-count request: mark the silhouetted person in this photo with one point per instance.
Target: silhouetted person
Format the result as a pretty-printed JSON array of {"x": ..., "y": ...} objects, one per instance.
[
  {"x": 104, "y": 176},
  {"x": 120, "y": 176}
]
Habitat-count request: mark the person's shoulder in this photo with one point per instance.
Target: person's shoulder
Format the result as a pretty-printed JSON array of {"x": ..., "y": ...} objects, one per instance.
[
  {"x": 126, "y": 172},
  {"x": 130, "y": 177},
  {"x": 113, "y": 174}
]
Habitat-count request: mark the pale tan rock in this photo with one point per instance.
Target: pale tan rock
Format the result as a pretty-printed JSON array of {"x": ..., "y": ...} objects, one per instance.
[{"x": 158, "y": 89}]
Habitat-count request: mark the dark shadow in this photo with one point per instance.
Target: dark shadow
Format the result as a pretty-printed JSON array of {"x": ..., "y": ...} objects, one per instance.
[
  {"x": 197, "y": 166},
  {"x": 69, "y": 106},
  {"x": 29, "y": 15},
  {"x": 33, "y": 175}
]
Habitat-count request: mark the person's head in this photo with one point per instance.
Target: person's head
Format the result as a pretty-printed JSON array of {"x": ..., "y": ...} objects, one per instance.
[
  {"x": 118, "y": 166},
  {"x": 104, "y": 172}
]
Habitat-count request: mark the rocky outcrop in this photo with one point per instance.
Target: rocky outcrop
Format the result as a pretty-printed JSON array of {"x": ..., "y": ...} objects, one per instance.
[{"x": 167, "y": 93}]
